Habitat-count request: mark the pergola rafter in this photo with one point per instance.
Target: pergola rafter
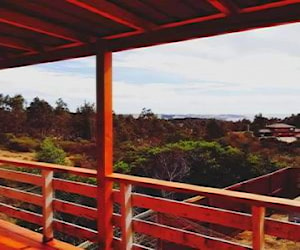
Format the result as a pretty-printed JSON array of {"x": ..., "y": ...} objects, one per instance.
[
  {"x": 114, "y": 13},
  {"x": 15, "y": 43},
  {"x": 36, "y": 25},
  {"x": 225, "y": 6}
]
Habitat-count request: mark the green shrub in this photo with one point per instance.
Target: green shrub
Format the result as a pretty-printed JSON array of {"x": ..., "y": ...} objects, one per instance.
[
  {"x": 23, "y": 144},
  {"x": 49, "y": 152},
  {"x": 122, "y": 167}
]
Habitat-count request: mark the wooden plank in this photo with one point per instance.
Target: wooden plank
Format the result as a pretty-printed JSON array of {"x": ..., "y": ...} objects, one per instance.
[
  {"x": 126, "y": 217},
  {"x": 21, "y": 195},
  {"x": 21, "y": 214},
  {"x": 48, "y": 195},
  {"x": 116, "y": 196},
  {"x": 75, "y": 230},
  {"x": 114, "y": 13},
  {"x": 116, "y": 220},
  {"x": 36, "y": 25},
  {"x": 75, "y": 187},
  {"x": 13, "y": 237},
  {"x": 253, "y": 199},
  {"x": 140, "y": 247},
  {"x": 193, "y": 211},
  {"x": 50, "y": 13},
  {"x": 192, "y": 20},
  {"x": 183, "y": 237},
  {"x": 49, "y": 166},
  {"x": 258, "y": 224},
  {"x": 104, "y": 141},
  {"x": 20, "y": 177},
  {"x": 225, "y": 6},
  {"x": 15, "y": 43},
  {"x": 117, "y": 244},
  {"x": 75, "y": 209},
  {"x": 262, "y": 7},
  {"x": 282, "y": 229}
]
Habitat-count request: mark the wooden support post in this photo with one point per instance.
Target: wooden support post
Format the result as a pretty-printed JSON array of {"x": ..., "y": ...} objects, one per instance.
[
  {"x": 48, "y": 194},
  {"x": 104, "y": 134},
  {"x": 126, "y": 216},
  {"x": 258, "y": 221}
]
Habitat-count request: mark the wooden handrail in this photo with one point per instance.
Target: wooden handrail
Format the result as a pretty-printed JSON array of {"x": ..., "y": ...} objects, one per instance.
[
  {"x": 47, "y": 201},
  {"x": 49, "y": 166},
  {"x": 127, "y": 223},
  {"x": 251, "y": 199}
]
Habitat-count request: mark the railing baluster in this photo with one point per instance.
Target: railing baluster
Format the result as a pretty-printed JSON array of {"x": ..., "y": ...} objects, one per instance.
[
  {"x": 126, "y": 217},
  {"x": 258, "y": 231},
  {"x": 47, "y": 205}
]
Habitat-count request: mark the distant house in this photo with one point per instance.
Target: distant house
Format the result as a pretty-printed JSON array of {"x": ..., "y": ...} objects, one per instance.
[{"x": 280, "y": 131}]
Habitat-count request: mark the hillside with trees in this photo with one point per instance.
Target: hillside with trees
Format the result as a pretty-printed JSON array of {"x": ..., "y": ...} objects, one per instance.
[{"x": 199, "y": 151}]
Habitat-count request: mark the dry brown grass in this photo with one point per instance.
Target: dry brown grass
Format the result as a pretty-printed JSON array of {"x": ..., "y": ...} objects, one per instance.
[
  {"x": 17, "y": 155},
  {"x": 271, "y": 243}
]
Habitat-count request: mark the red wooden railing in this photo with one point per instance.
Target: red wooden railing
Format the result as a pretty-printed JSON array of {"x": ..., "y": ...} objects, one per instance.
[{"x": 129, "y": 225}]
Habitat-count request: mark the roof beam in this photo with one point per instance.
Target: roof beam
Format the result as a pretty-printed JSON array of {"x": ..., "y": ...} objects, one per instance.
[
  {"x": 246, "y": 21},
  {"x": 36, "y": 25},
  {"x": 15, "y": 43},
  {"x": 114, "y": 13},
  {"x": 269, "y": 5},
  {"x": 225, "y": 6}
]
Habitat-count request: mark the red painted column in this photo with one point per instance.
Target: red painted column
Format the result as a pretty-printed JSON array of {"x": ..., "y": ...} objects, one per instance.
[{"x": 104, "y": 133}]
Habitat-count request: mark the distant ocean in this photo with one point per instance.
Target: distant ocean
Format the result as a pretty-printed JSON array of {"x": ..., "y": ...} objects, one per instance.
[{"x": 224, "y": 117}]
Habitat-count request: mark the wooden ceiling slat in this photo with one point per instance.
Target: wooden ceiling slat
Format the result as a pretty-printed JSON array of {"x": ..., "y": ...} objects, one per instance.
[
  {"x": 193, "y": 20},
  {"x": 21, "y": 26},
  {"x": 225, "y": 6},
  {"x": 173, "y": 8},
  {"x": 203, "y": 5},
  {"x": 114, "y": 13},
  {"x": 269, "y": 6},
  {"x": 85, "y": 16},
  {"x": 36, "y": 25},
  {"x": 270, "y": 17},
  {"x": 15, "y": 43},
  {"x": 147, "y": 11},
  {"x": 47, "y": 14},
  {"x": 27, "y": 35},
  {"x": 251, "y": 3}
]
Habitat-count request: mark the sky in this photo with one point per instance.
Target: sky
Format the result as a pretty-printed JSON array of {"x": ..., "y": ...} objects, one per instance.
[{"x": 250, "y": 72}]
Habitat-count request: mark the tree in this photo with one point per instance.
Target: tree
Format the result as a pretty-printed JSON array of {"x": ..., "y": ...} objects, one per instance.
[
  {"x": 62, "y": 119},
  {"x": 12, "y": 113},
  {"x": 258, "y": 123},
  {"x": 214, "y": 130},
  {"x": 40, "y": 117},
  {"x": 293, "y": 120},
  {"x": 17, "y": 116},
  {"x": 84, "y": 121}
]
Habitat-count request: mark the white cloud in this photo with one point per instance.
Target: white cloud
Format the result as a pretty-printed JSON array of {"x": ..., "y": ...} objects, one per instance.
[
  {"x": 165, "y": 98},
  {"x": 250, "y": 72},
  {"x": 33, "y": 81}
]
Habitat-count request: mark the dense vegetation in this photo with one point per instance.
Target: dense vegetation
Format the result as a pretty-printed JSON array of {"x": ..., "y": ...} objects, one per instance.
[{"x": 200, "y": 151}]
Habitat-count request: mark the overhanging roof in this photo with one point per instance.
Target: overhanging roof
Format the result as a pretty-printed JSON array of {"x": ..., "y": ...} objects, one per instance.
[{"x": 36, "y": 31}]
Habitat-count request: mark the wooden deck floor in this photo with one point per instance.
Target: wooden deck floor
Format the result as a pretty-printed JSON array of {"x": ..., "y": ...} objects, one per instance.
[{"x": 14, "y": 237}]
